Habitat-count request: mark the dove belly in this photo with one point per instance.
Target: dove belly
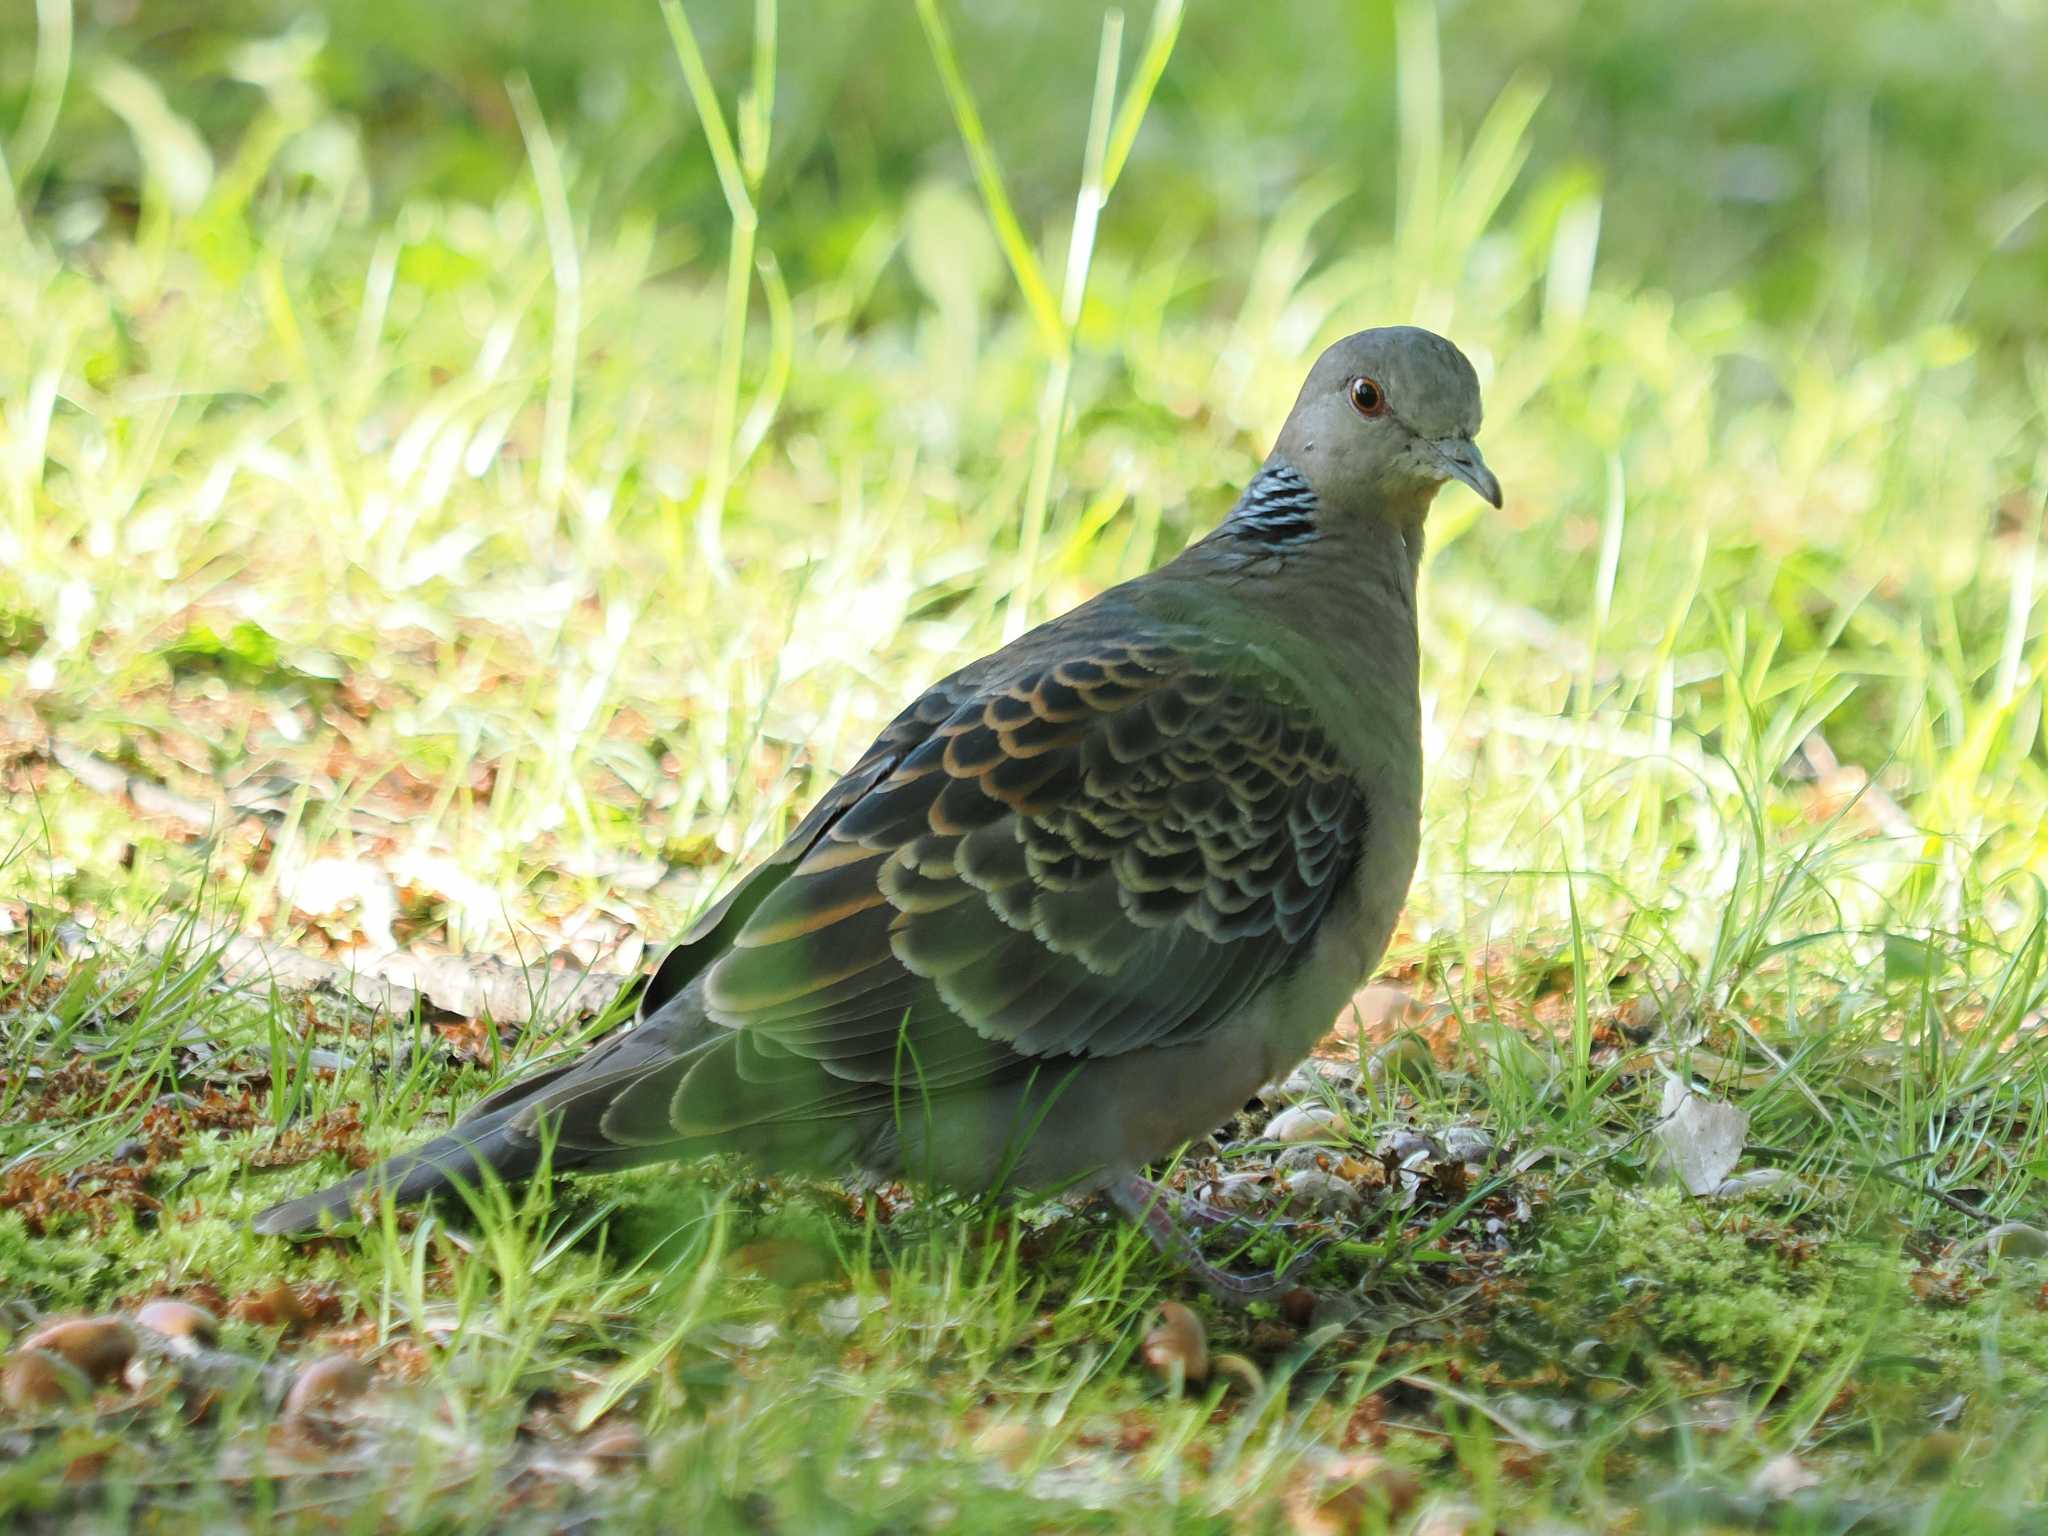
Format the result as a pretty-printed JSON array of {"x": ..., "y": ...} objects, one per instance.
[{"x": 1075, "y": 1122}]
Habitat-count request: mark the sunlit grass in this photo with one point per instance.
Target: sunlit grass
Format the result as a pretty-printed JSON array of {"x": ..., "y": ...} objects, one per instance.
[{"x": 363, "y": 522}]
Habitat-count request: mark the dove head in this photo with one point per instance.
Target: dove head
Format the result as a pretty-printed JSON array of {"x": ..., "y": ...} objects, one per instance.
[{"x": 1386, "y": 417}]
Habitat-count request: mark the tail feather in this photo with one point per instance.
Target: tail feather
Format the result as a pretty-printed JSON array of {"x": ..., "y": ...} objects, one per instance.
[
  {"x": 447, "y": 1163},
  {"x": 502, "y": 1131}
]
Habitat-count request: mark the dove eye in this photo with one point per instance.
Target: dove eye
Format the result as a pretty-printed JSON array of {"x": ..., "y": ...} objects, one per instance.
[{"x": 1367, "y": 398}]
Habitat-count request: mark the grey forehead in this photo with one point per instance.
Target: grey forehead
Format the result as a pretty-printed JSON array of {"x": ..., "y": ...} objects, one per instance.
[{"x": 1429, "y": 383}]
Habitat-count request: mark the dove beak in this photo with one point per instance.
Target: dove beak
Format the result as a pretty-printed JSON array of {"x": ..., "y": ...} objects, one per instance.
[{"x": 1462, "y": 462}]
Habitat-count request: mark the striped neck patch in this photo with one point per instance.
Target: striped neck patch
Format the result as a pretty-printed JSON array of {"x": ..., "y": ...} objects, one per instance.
[{"x": 1277, "y": 508}]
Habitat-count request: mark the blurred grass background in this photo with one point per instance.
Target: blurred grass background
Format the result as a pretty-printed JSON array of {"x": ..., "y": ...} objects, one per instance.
[
  {"x": 309, "y": 323},
  {"x": 408, "y": 457},
  {"x": 1737, "y": 146}
]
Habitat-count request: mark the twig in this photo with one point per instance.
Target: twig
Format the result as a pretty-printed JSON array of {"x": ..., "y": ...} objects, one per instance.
[
  {"x": 471, "y": 986},
  {"x": 153, "y": 797},
  {"x": 1514, "y": 1431},
  {"x": 1884, "y": 810},
  {"x": 150, "y": 797}
]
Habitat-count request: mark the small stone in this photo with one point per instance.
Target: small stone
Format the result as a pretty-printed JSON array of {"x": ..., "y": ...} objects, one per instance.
[
  {"x": 1291, "y": 1089},
  {"x": 37, "y": 1378},
  {"x": 185, "y": 1326},
  {"x": 1341, "y": 1074},
  {"x": 2017, "y": 1240},
  {"x": 325, "y": 1385},
  {"x": 1351, "y": 1494},
  {"x": 1314, "y": 1081},
  {"x": 1410, "y": 1147},
  {"x": 1236, "y": 1191},
  {"x": 1382, "y": 1008},
  {"x": 1468, "y": 1144},
  {"x": 1314, "y": 1190},
  {"x": 1294, "y": 1159},
  {"x": 1756, "y": 1181},
  {"x": 1783, "y": 1476},
  {"x": 1306, "y": 1122},
  {"x": 97, "y": 1346},
  {"x": 1404, "y": 1060},
  {"x": 1177, "y": 1349},
  {"x": 1006, "y": 1441}
]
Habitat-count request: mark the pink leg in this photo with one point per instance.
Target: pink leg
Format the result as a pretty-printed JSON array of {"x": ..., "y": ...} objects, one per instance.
[{"x": 1150, "y": 1207}]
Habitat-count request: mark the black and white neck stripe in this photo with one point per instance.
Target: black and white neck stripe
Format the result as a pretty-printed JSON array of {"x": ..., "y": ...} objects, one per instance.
[{"x": 1277, "y": 509}]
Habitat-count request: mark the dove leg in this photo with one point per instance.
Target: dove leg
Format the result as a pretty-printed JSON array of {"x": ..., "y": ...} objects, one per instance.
[
  {"x": 1151, "y": 1209},
  {"x": 1204, "y": 1217},
  {"x": 1199, "y": 1213},
  {"x": 1192, "y": 1209}
]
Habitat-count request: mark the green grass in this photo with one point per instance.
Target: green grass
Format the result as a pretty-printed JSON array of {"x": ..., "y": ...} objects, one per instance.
[{"x": 511, "y": 513}]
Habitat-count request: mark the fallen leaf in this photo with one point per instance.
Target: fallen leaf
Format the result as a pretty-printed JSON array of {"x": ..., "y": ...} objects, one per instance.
[
  {"x": 615, "y": 1443},
  {"x": 1701, "y": 1136}
]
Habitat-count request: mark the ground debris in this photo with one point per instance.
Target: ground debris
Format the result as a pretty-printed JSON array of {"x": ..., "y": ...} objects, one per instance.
[
  {"x": 1702, "y": 1136},
  {"x": 337, "y": 1132},
  {"x": 103, "y": 1195}
]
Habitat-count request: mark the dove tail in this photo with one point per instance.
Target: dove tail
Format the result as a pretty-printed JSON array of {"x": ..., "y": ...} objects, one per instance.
[
  {"x": 499, "y": 1138},
  {"x": 451, "y": 1161}
]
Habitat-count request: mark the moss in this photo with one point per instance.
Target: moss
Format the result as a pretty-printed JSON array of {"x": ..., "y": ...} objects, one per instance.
[
  {"x": 1734, "y": 1291},
  {"x": 55, "y": 1271},
  {"x": 1723, "y": 1286}
]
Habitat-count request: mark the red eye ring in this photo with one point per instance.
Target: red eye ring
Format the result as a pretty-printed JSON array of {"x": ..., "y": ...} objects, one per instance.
[{"x": 1366, "y": 397}]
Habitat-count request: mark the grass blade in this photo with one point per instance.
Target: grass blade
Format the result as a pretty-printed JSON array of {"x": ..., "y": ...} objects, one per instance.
[
  {"x": 988, "y": 175},
  {"x": 1130, "y": 117},
  {"x": 568, "y": 272}
]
